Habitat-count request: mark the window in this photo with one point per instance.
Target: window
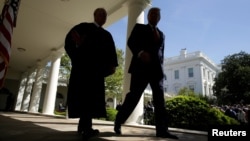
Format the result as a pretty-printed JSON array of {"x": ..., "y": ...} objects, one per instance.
[
  {"x": 176, "y": 74},
  {"x": 204, "y": 72},
  {"x": 205, "y": 90},
  {"x": 190, "y": 72},
  {"x": 191, "y": 87}
]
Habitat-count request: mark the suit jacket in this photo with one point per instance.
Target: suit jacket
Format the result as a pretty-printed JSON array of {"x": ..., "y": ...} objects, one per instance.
[
  {"x": 92, "y": 53},
  {"x": 142, "y": 39}
]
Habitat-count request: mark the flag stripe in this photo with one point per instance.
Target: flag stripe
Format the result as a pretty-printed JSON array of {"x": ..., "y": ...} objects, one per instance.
[
  {"x": 3, "y": 69},
  {"x": 5, "y": 39},
  {"x": 7, "y": 23},
  {"x": 1, "y": 63},
  {"x": 3, "y": 52},
  {"x": 5, "y": 32},
  {"x": 10, "y": 19}
]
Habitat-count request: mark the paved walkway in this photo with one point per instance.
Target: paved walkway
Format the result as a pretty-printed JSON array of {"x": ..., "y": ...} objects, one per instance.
[{"x": 16, "y": 126}]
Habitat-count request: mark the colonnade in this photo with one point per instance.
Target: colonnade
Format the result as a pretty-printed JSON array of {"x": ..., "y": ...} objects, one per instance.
[{"x": 29, "y": 94}]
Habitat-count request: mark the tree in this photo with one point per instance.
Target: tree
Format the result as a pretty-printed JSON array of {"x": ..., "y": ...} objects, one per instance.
[
  {"x": 233, "y": 84},
  {"x": 114, "y": 82},
  {"x": 65, "y": 67}
]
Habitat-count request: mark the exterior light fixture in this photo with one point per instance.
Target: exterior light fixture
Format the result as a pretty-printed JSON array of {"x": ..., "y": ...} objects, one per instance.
[{"x": 21, "y": 49}]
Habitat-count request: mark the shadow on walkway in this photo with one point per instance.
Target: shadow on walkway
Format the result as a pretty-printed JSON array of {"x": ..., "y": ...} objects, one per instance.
[{"x": 35, "y": 127}]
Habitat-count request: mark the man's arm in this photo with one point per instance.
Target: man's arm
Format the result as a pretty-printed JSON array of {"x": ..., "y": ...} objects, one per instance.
[
  {"x": 136, "y": 43},
  {"x": 74, "y": 39},
  {"x": 111, "y": 61},
  {"x": 135, "y": 39},
  {"x": 69, "y": 45}
]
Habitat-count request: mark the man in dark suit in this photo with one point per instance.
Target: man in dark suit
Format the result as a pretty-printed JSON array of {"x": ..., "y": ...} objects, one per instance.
[
  {"x": 146, "y": 43},
  {"x": 93, "y": 57}
]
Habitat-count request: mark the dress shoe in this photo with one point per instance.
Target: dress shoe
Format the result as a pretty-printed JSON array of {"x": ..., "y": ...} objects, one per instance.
[
  {"x": 166, "y": 135},
  {"x": 90, "y": 133},
  {"x": 79, "y": 130},
  {"x": 117, "y": 129}
]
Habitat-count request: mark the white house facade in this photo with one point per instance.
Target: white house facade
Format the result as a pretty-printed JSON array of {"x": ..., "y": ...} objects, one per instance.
[{"x": 194, "y": 71}]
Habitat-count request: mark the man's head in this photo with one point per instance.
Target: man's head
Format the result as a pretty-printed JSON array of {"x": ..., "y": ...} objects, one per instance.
[
  {"x": 154, "y": 16},
  {"x": 100, "y": 16}
]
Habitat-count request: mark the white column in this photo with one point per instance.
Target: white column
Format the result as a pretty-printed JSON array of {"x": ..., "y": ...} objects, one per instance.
[
  {"x": 51, "y": 89},
  {"x": 27, "y": 92},
  {"x": 36, "y": 94},
  {"x": 21, "y": 92},
  {"x": 115, "y": 102},
  {"x": 135, "y": 15},
  {"x": 201, "y": 87}
]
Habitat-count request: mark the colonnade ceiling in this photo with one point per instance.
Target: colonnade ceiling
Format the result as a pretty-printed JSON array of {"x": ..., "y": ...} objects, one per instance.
[{"x": 43, "y": 24}]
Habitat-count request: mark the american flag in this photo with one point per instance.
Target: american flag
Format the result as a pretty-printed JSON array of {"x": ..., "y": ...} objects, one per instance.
[{"x": 7, "y": 22}]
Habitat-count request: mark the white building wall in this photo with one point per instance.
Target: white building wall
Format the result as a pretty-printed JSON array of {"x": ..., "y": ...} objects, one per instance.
[{"x": 204, "y": 72}]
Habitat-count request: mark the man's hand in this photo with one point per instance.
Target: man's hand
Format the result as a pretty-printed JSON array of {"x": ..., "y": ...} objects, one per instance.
[
  {"x": 145, "y": 57},
  {"x": 109, "y": 71},
  {"x": 76, "y": 38},
  {"x": 112, "y": 70}
]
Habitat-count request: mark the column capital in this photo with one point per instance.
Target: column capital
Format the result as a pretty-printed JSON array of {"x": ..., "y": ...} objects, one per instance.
[{"x": 55, "y": 53}]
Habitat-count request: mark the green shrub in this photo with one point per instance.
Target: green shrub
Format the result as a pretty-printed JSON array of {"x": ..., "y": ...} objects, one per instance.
[
  {"x": 111, "y": 114},
  {"x": 191, "y": 112},
  {"x": 60, "y": 113}
]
